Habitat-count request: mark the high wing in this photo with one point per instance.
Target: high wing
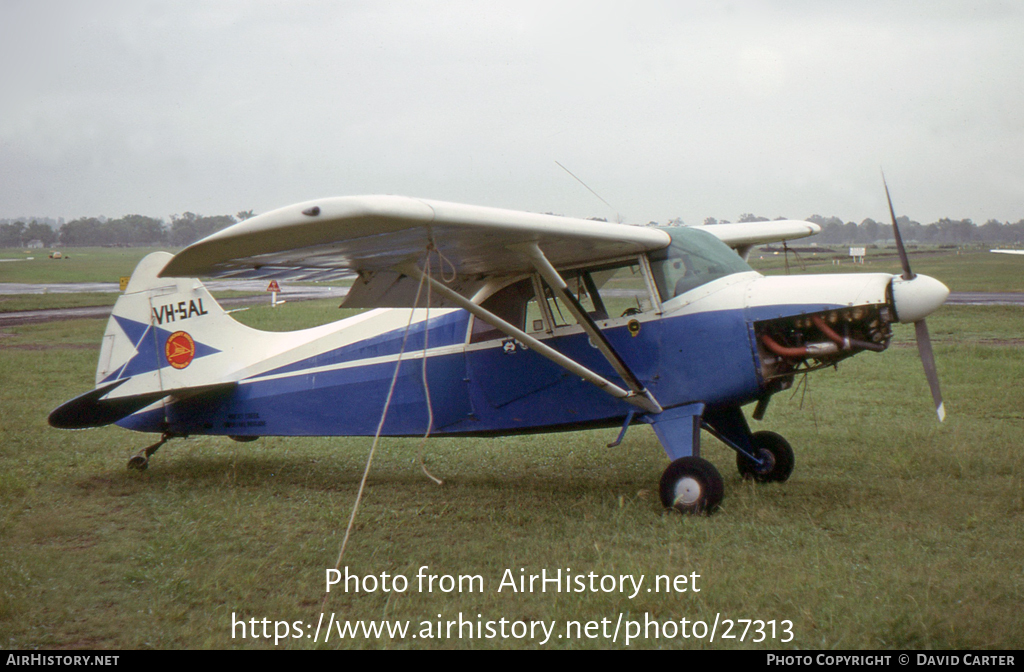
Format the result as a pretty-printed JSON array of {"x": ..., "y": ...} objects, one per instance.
[
  {"x": 744, "y": 236},
  {"x": 374, "y": 236}
]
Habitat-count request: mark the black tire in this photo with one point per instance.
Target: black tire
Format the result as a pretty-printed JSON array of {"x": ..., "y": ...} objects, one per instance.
[
  {"x": 691, "y": 485},
  {"x": 776, "y": 451}
]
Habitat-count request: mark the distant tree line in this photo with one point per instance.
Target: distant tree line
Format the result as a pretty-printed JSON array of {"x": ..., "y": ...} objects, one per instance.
[
  {"x": 944, "y": 231},
  {"x": 127, "y": 231},
  {"x": 184, "y": 229},
  {"x": 19, "y": 234}
]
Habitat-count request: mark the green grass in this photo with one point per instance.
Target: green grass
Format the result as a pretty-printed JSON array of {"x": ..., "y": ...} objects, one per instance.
[
  {"x": 961, "y": 270},
  {"x": 10, "y": 303},
  {"x": 893, "y": 532},
  {"x": 293, "y": 314},
  {"x": 80, "y": 264}
]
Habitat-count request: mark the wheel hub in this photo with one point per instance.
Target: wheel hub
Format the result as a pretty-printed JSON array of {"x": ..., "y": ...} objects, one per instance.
[
  {"x": 767, "y": 461},
  {"x": 687, "y": 491}
]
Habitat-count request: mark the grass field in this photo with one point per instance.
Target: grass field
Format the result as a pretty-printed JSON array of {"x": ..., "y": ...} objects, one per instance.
[
  {"x": 79, "y": 264},
  {"x": 10, "y": 303},
  {"x": 969, "y": 270},
  {"x": 893, "y": 532}
]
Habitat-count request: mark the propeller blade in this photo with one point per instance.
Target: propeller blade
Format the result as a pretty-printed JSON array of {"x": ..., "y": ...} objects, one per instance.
[
  {"x": 907, "y": 273},
  {"x": 924, "y": 347},
  {"x": 924, "y": 341}
]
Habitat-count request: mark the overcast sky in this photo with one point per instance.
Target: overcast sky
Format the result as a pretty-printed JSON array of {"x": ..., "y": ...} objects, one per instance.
[{"x": 665, "y": 109}]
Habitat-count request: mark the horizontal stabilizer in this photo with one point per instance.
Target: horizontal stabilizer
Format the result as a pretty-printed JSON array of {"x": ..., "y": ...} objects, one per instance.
[{"x": 92, "y": 410}]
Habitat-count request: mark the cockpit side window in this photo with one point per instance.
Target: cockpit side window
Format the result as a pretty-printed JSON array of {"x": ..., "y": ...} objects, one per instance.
[
  {"x": 510, "y": 305},
  {"x": 608, "y": 291},
  {"x": 619, "y": 290},
  {"x": 604, "y": 292},
  {"x": 694, "y": 258}
]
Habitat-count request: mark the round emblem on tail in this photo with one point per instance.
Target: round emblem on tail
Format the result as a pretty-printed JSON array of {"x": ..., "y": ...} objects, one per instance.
[{"x": 180, "y": 349}]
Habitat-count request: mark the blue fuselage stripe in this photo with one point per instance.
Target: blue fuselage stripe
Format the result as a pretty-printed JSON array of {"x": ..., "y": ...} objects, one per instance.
[{"x": 706, "y": 356}]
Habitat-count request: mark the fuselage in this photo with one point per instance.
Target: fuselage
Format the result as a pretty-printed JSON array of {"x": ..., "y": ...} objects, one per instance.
[{"x": 701, "y": 346}]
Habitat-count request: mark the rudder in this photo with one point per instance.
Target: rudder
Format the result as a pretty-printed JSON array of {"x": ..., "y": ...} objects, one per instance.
[
  {"x": 165, "y": 336},
  {"x": 161, "y": 323}
]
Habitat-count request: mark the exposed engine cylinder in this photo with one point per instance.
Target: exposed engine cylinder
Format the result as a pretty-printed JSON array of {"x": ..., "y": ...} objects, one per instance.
[{"x": 791, "y": 345}]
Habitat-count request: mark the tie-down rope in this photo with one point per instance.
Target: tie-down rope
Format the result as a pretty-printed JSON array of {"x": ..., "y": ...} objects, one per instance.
[{"x": 387, "y": 405}]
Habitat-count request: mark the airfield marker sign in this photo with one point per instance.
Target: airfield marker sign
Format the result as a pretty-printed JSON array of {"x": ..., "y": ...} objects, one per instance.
[{"x": 273, "y": 288}]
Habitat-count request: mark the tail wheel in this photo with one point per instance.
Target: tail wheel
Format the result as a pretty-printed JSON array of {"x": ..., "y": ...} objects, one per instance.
[
  {"x": 776, "y": 454},
  {"x": 691, "y": 485}
]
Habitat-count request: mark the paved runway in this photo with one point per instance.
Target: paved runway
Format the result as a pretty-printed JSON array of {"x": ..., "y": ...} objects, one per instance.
[{"x": 986, "y": 298}]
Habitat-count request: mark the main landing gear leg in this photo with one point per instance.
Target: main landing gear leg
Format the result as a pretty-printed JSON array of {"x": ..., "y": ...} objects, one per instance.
[
  {"x": 690, "y": 484},
  {"x": 141, "y": 459},
  {"x": 765, "y": 457}
]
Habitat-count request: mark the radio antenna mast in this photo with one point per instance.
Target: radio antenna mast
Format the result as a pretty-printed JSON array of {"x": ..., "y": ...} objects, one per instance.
[{"x": 618, "y": 216}]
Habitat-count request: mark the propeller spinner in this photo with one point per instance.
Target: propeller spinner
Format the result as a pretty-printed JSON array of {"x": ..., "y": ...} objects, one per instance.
[{"x": 914, "y": 298}]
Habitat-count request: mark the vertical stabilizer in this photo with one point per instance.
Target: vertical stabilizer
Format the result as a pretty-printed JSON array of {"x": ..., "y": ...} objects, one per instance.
[{"x": 161, "y": 328}]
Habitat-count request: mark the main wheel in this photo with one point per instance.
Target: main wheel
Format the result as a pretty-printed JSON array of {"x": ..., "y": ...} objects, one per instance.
[
  {"x": 691, "y": 485},
  {"x": 777, "y": 455}
]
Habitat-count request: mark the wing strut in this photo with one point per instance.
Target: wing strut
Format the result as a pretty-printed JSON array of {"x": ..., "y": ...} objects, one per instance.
[
  {"x": 643, "y": 402},
  {"x": 597, "y": 337}
]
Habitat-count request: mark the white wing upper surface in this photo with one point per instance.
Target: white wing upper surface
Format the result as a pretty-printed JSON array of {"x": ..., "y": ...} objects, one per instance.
[
  {"x": 759, "y": 233},
  {"x": 741, "y": 237},
  {"x": 375, "y": 236},
  {"x": 378, "y": 233}
]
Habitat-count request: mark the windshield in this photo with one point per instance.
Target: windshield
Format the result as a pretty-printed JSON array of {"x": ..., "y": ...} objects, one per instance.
[{"x": 694, "y": 258}]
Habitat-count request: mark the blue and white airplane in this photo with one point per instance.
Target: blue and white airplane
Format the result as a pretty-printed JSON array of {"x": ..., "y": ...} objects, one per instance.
[{"x": 490, "y": 322}]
